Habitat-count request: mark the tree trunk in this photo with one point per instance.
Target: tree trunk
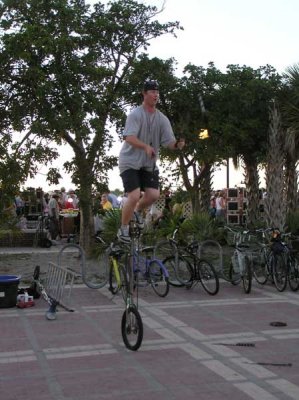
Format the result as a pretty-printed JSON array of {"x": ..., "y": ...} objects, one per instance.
[
  {"x": 275, "y": 205},
  {"x": 205, "y": 188},
  {"x": 194, "y": 197},
  {"x": 85, "y": 204},
  {"x": 252, "y": 190},
  {"x": 291, "y": 174},
  {"x": 291, "y": 177}
]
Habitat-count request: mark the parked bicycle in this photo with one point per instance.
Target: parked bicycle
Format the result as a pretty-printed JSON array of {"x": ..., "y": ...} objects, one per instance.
[
  {"x": 279, "y": 262},
  {"x": 184, "y": 265},
  {"x": 240, "y": 268}
]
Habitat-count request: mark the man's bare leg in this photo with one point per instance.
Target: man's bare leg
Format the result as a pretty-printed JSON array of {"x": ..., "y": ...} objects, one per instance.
[
  {"x": 149, "y": 197},
  {"x": 129, "y": 207}
]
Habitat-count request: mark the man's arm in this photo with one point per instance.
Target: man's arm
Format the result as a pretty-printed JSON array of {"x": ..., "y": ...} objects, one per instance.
[{"x": 177, "y": 145}]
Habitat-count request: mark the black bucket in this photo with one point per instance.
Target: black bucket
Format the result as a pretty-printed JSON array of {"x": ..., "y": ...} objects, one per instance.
[{"x": 8, "y": 290}]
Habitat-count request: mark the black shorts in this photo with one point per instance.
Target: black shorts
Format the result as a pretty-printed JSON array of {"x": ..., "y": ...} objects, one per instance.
[{"x": 139, "y": 178}]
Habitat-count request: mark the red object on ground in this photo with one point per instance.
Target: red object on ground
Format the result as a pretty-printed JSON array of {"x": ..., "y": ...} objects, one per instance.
[{"x": 23, "y": 304}]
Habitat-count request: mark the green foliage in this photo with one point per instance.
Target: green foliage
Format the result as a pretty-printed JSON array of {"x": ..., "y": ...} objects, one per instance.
[
  {"x": 200, "y": 227},
  {"x": 63, "y": 79},
  {"x": 111, "y": 222}
]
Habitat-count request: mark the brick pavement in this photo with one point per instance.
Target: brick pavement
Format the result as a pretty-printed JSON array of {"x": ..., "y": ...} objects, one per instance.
[{"x": 188, "y": 352}]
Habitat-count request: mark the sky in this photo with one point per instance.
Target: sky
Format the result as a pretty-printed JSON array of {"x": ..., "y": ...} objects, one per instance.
[{"x": 252, "y": 33}]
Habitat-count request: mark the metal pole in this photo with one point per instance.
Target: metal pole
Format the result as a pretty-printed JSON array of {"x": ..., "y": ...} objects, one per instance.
[{"x": 227, "y": 173}]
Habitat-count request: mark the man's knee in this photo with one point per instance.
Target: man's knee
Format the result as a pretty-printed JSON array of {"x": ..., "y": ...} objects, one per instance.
[
  {"x": 134, "y": 196},
  {"x": 150, "y": 196}
]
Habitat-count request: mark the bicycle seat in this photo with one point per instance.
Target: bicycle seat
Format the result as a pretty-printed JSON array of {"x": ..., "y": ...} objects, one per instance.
[{"x": 116, "y": 251}]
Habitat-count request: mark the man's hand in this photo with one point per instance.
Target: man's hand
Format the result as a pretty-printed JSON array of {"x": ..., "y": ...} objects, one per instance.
[{"x": 150, "y": 152}]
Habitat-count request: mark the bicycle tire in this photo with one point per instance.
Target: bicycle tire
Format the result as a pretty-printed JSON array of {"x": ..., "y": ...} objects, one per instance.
[
  {"x": 96, "y": 275},
  {"x": 158, "y": 279},
  {"x": 247, "y": 276},
  {"x": 165, "y": 249},
  {"x": 208, "y": 277},
  {"x": 280, "y": 275},
  {"x": 293, "y": 273},
  {"x": 131, "y": 324},
  {"x": 184, "y": 270},
  {"x": 260, "y": 270},
  {"x": 169, "y": 264},
  {"x": 234, "y": 278}
]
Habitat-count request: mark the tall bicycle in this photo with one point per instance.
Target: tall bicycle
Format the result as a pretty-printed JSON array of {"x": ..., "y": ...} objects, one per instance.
[{"x": 131, "y": 323}]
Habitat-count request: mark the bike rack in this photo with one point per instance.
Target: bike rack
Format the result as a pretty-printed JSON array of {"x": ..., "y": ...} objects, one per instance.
[
  {"x": 59, "y": 283},
  {"x": 218, "y": 261}
]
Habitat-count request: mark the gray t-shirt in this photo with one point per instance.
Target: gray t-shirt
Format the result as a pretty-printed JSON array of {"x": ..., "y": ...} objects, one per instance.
[{"x": 153, "y": 129}]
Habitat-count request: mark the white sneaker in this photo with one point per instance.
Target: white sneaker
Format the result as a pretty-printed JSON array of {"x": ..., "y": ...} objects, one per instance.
[
  {"x": 123, "y": 235},
  {"x": 139, "y": 219}
]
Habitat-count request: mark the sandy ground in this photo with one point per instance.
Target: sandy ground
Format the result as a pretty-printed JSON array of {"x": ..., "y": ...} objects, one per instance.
[{"x": 22, "y": 261}]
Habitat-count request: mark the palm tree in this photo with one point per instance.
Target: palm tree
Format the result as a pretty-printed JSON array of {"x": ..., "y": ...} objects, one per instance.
[
  {"x": 275, "y": 205},
  {"x": 290, "y": 108}
]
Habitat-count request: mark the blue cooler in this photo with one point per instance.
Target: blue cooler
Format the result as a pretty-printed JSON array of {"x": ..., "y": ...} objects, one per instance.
[{"x": 8, "y": 290}]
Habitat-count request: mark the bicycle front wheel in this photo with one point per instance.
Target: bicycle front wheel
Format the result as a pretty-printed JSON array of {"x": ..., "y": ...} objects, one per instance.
[
  {"x": 247, "y": 276},
  {"x": 170, "y": 265},
  {"x": 293, "y": 273},
  {"x": 96, "y": 274},
  {"x": 260, "y": 270},
  {"x": 132, "y": 328},
  {"x": 280, "y": 275},
  {"x": 158, "y": 278},
  {"x": 208, "y": 277},
  {"x": 165, "y": 249}
]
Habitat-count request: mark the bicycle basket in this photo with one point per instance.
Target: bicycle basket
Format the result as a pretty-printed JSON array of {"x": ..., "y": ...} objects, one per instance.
[{"x": 277, "y": 247}]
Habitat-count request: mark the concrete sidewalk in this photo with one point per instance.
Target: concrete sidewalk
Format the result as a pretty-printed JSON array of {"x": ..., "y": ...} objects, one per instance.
[{"x": 191, "y": 347}]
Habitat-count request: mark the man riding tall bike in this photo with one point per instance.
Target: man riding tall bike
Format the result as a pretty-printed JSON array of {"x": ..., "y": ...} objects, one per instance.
[{"x": 146, "y": 130}]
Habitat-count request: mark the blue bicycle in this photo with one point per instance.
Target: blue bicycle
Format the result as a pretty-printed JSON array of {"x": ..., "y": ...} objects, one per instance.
[{"x": 150, "y": 271}]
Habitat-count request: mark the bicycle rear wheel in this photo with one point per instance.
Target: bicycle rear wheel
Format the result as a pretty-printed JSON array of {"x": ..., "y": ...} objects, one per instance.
[
  {"x": 208, "y": 277},
  {"x": 158, "y": 278},
  {"x": 247, "y": 276},
  {"x": 260, "y": 269},
  {"x": 96, "y": 274},
  {"x": 293, "y": 274},
  {"x": 132, "y": 328},
  {"x": 280, "y": 275}
]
